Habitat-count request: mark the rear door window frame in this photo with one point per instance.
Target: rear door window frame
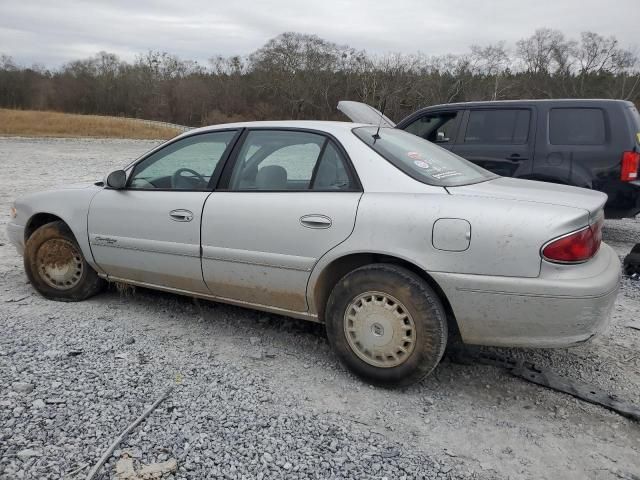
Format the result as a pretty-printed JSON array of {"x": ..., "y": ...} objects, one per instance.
[
  {"x": 224, "y": 180},
  {"x": 462, "y": 132}
]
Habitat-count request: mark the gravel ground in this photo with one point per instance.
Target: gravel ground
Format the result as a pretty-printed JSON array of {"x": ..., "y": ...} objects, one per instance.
[{"x": 262, "y": 396}]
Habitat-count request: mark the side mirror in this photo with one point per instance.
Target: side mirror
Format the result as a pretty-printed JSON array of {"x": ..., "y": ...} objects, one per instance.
[
  {"x": 117, "y": 179},
  {"x": 441, "y": 137}
]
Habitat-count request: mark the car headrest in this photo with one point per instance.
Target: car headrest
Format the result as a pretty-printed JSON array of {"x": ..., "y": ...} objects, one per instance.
[{"x": 271, "y": 177}]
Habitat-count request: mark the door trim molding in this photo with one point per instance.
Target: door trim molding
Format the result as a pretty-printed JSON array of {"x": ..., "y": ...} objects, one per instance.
[
  {"x": 144, "y": 245},
  {"x": 273, "y": 260}
]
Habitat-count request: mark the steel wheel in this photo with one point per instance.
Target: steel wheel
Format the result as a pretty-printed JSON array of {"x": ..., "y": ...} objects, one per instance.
[
  {"x": 59, "y": 264},
  {"x": 379, "y": 329}
]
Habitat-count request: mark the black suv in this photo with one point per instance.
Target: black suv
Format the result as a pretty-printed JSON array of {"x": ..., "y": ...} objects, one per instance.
[{"x": 587, "y": 143}]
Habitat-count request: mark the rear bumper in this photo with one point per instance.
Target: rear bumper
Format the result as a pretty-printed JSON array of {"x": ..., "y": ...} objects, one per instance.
[
  {"x": 624, "y": 199},
  {"x": 565, "y": 305},
  {"x": 16, "y": 236}
]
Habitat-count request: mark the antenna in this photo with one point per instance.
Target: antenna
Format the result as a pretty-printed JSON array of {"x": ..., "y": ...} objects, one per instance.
[{"x": 377, "y": 134}]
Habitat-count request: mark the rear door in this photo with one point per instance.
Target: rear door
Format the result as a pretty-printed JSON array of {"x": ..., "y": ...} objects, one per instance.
[
  {"x": 498, "y": 139},
  {"x": 286, "y": 197}
]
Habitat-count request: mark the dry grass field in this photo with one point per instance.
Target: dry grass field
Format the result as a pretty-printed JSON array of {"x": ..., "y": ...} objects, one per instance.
[{"x": 31, "y": 123}]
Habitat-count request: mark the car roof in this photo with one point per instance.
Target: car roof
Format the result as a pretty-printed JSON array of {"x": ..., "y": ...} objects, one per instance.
[
  {"x": 497, "y": 103},
  {"x": 325, "y": 126}
]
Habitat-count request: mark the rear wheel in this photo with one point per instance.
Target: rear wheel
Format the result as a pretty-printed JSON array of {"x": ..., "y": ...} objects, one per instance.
[
  {"x": 56, "y": 267},
  {"x": 386, "y": 324}
]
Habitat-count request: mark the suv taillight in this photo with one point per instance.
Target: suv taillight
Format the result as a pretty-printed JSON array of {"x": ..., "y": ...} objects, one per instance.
[
  {"x": 630, "y": 164},
  {"x": 575, "y": 247}
]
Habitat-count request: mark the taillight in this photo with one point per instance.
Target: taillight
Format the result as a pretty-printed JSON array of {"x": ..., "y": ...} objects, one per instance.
[
  {"x": 575, "y": 247},
  {"x": 630, "y": 164}
]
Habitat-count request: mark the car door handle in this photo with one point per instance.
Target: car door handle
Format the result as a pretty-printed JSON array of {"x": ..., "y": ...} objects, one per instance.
[
  {"x": 516, "y": 157},
  {"x": 315, "y": 221},
  {"x": 181, "y": 215}
]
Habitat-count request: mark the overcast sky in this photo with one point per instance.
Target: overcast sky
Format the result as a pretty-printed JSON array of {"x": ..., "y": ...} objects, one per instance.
[{"x": 51, "y": 32}]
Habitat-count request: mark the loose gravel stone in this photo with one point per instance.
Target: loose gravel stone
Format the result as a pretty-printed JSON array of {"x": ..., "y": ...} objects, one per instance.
[
  {"x": 28, "y": 453},
  {"x": 22, "y": 387}
]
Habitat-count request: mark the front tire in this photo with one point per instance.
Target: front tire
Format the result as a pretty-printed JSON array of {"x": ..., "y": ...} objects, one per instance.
[
  {"x": 386, "y": 324},
  {"x": 56, "y": 267}
]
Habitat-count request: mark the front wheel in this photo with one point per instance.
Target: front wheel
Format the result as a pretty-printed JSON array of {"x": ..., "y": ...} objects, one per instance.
[
  {"x": 386, "y": 324},
  {"x": 56, "y": 267}
]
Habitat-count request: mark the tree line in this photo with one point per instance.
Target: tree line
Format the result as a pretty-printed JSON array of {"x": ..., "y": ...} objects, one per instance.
[{"x": 301, "y": 76}]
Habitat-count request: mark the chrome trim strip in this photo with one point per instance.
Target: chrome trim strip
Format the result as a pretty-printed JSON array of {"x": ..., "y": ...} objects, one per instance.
[
  {"x": 539, "y": 295},
  {"x": 262, "y": 259},
  {"x": 145, "y": 245},
  {"x": 562, "y": 262},
  {"x": 240, "y": 303}
]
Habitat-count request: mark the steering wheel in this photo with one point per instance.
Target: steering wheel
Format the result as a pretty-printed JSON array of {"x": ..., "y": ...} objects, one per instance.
[{"x": 177, "y": 178}]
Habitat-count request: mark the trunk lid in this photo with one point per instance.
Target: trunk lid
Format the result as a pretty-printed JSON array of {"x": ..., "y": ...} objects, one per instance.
[
  {"x": 536, "y": 192},
  {"x": 359, "y": 112}
]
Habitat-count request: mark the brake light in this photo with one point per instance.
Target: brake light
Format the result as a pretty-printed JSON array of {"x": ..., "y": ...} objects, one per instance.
[
  {"x": 575, "y": 247},
  {"x": 630, "y": 164}
]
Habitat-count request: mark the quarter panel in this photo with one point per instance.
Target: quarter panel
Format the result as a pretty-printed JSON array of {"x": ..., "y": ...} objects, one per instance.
[{"x": 505, "y": 241}]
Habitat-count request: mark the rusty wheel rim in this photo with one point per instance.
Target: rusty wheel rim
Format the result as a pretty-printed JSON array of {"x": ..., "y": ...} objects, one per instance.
[
  {"x": 60, "y": 264},
  {"x": 379, "y": 329}
]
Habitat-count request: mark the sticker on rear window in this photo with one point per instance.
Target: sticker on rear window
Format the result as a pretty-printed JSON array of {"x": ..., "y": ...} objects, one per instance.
[
  {"x": 447, "y": 174},
  {"x": 415, "y": 155},
  {"x": 421, "y": 164}
]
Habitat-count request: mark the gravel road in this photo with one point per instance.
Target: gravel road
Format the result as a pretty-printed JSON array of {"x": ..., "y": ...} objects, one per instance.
[{"x": 262, "y": 396}]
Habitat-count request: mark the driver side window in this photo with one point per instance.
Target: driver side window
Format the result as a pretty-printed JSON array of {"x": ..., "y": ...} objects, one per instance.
[
  {"x": 435, "y": 127},
  {"x": 187, "y": 164}
]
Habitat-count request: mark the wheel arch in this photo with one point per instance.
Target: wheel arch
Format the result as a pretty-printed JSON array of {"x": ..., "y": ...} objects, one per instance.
[
  {"x": 39, "y": 219},
  {"x": 330, "y": 274}
]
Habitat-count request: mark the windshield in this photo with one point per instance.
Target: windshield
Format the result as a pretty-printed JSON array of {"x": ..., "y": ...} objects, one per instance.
[{"x": 421, "y": 159}]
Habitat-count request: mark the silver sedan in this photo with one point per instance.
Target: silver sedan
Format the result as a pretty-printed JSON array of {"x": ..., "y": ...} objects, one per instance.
[{"x": 392, "y": 242}]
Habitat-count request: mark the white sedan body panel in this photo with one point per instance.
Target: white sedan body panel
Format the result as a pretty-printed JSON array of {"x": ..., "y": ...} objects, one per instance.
[
  {"x": 134, "y": 237},
  {"x": 258, "y": 249},
  {"x": 479, "y": 244},
  {"x": 69, "y": 203}
]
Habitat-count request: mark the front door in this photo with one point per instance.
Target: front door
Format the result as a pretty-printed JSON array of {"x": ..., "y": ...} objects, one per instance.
[
  {"x": 149, "y": 232},
  {"x": 287, "y": 198}
]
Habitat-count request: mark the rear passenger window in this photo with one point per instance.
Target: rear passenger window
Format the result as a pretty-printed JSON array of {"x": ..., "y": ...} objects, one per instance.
[
  {"x": 576, "y": 126},
  {"x": 498, "y": 127},
  {"x": 281, "y": 160}
]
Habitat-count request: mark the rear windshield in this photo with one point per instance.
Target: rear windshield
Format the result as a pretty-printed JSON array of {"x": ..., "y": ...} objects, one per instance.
[{"x": 421, "y": 159}]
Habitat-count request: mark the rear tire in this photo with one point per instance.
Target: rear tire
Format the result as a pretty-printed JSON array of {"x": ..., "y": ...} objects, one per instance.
[
  {"x": 386, "y": 325},
  {"x": 56, "y": 267}
]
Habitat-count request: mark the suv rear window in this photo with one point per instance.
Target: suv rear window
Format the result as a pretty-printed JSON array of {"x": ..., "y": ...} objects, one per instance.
[
  {"x": 576, "y": 126},
  {"x": 421, "y": 159},
  {"x": 498, "y": 127}
]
